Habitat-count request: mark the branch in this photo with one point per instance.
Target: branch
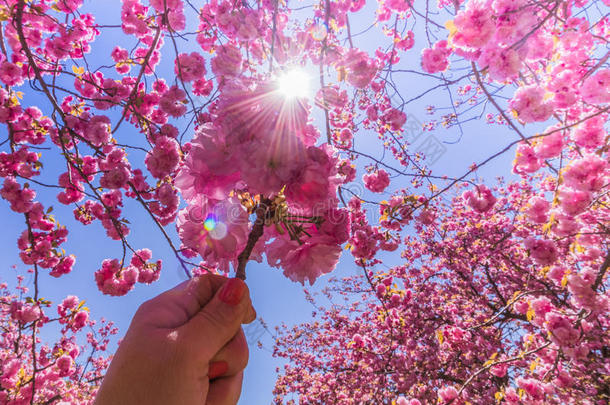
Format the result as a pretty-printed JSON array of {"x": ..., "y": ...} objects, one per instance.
[
  {"x": 484, "y": 368},
  {"x": 602, "y": 272},
  {"x": 262, "y": 211}
]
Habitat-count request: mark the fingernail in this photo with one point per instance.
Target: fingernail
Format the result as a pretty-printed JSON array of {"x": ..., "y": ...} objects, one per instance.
[
  {"x": 217, "y": 369},
  {"x": 232, "y": 291}
]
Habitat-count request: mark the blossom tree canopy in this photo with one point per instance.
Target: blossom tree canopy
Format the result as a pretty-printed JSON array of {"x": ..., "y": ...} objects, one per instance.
[{"x": 197, "y": 114}]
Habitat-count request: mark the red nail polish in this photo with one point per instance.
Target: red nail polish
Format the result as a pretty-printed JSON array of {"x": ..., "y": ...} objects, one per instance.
[
  {"x": 232, "y": 291},
  {"x": 217, "y": 369}
]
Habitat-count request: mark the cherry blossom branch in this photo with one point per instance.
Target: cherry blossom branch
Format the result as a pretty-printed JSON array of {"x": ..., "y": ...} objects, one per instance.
[
  {"x": 488, "y": 366},
  {"x": 167, "y": 238},
  {"x": 263, "y": 211},
  {"x": 134, "y": 91},
  {"x": 602, "y": 272}
]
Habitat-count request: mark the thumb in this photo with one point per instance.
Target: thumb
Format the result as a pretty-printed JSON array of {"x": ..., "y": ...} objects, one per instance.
[{"x": 220, "y": 319}]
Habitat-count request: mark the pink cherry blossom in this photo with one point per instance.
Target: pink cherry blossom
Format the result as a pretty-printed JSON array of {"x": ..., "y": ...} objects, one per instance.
[
  {"x": 164, "y": 157},
  {"x": 596, "y": 88},
  {"x": 377, "y": 181},
  {"x": 543, "y": 251},
  {"x": 480, "y": 199},
  {"x": 360, "y": 69},
  {"x": 436, "y": 59},
  {"x": 227, "y": 62},
  {"x": 190, "y": 67},
  {"x": 474, "y": 26},
  {"x": 529, "y": 104}
]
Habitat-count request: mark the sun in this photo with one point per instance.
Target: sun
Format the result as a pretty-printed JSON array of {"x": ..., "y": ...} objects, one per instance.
[{"x": 293, "y": 83}]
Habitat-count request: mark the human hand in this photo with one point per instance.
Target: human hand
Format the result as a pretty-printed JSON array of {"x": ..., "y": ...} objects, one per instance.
[{"x": 185, "y": 346}]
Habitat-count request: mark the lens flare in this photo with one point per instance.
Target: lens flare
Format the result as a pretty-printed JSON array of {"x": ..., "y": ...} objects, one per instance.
[
  {"x": 219, "y": 231},
  {"x": 210, "y": 223},
  {"x": 319, "y": 31},
  {"x": 293, "y": 83}
]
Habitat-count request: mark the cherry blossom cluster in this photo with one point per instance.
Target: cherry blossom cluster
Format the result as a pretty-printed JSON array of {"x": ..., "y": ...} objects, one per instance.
[
  {"x": 476, "y": 315},
  {"x": 258, "y": 156},
  {"x": 36, "y": 370}
]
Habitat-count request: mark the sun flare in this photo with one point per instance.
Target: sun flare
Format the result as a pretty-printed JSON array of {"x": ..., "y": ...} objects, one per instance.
[{"x": 293, "y": 83}]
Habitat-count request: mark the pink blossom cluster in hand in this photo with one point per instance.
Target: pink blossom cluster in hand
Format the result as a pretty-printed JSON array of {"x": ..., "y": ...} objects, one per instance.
[{"x": 271, "y": 158}]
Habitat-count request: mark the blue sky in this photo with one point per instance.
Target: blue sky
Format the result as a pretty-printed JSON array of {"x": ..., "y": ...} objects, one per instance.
[{"x": 276, "y": 298}]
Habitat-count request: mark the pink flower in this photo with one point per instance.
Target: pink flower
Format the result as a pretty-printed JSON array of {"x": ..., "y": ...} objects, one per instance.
[
  {"x": 163, "y": 159},
  {"x": 227, "y": 62},
  {"x": 364, "y": 244},
  {"x": 115, "y": 178},
  {"x": 113, "y": 280},
  {"x": 562, "y": 84},
  {"x": 371, "y": 113},
  {"x": 436, "y": 59},
  {"x": 121, "y": 57},
  {"x": 80, "y": 320},
  {"x": 69, "y": 6},
  {"x": 564, "y": 224},
  {"x": 25, "y": 313},
  {"x": 474, "y": 25},
  {"x": 331, "y": 97},
  {"x": 529, "y": 104},
  {"x": 397, "y": 5},
  {"x": 202, "y": 87},
  {"x": 550, "y": 146},
  {"x": 579, "y": 286},
  {"x": 147, "y": 272},
  {"x": 541, "y": 306},
  {"x": 70, "y": 302},
  {"x": 217, "y": 230},
  {"x": 499, "y": 370},
  {"x": 502, "y": 63},
  {"x": 64, "y": 364},
  {"x": 480, "y": 199},
  {"x": 172, "y": 102},
  {"x": 556, "y": 274},
  {"x": 588, "y": 173},
  {"x": 348, "y": 170},
  {"x": 361, "y": 70},
  {"x": 526, "y": 159},
  {"x": 427, "y": 216},
  {"x": 532, "y": 387},
  {"x": 591, "y": 133},
  {"x": 313, "y": 185},
  {"x": 595, "y": 89},
  {"x": 447, "y": 394},
  {"x": 513, "y": 22},
  {"x": 538, "y": 210},
  {"x": 573, "y": 202},
  {"x": 98, "y": 130},
  {"x": 64, "y": 266},
  {"x": 408, "y": 40},
  {"x": 209, "y": 167},
  {"x": 394, "y": 118},
  {"x": 20, "y": 199},
  {"x": 305, "y": 261},
  {"x": 11, "y": 74},
  {"x": 562, "y": 331},
  {"x": 189, "y": 67},
  {"x": 544, "y": 252},
  {"x": 119, "y": 54},
  {"x": 377, "y": 181},
  {"x": 273, "y": 161}
]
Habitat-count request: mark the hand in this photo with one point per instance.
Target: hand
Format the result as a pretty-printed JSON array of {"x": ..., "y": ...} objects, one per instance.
[{"x": 185, "y": 346}]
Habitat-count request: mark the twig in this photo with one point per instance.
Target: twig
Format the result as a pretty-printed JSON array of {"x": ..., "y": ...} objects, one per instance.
[{"x": 263, "y": 211}]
